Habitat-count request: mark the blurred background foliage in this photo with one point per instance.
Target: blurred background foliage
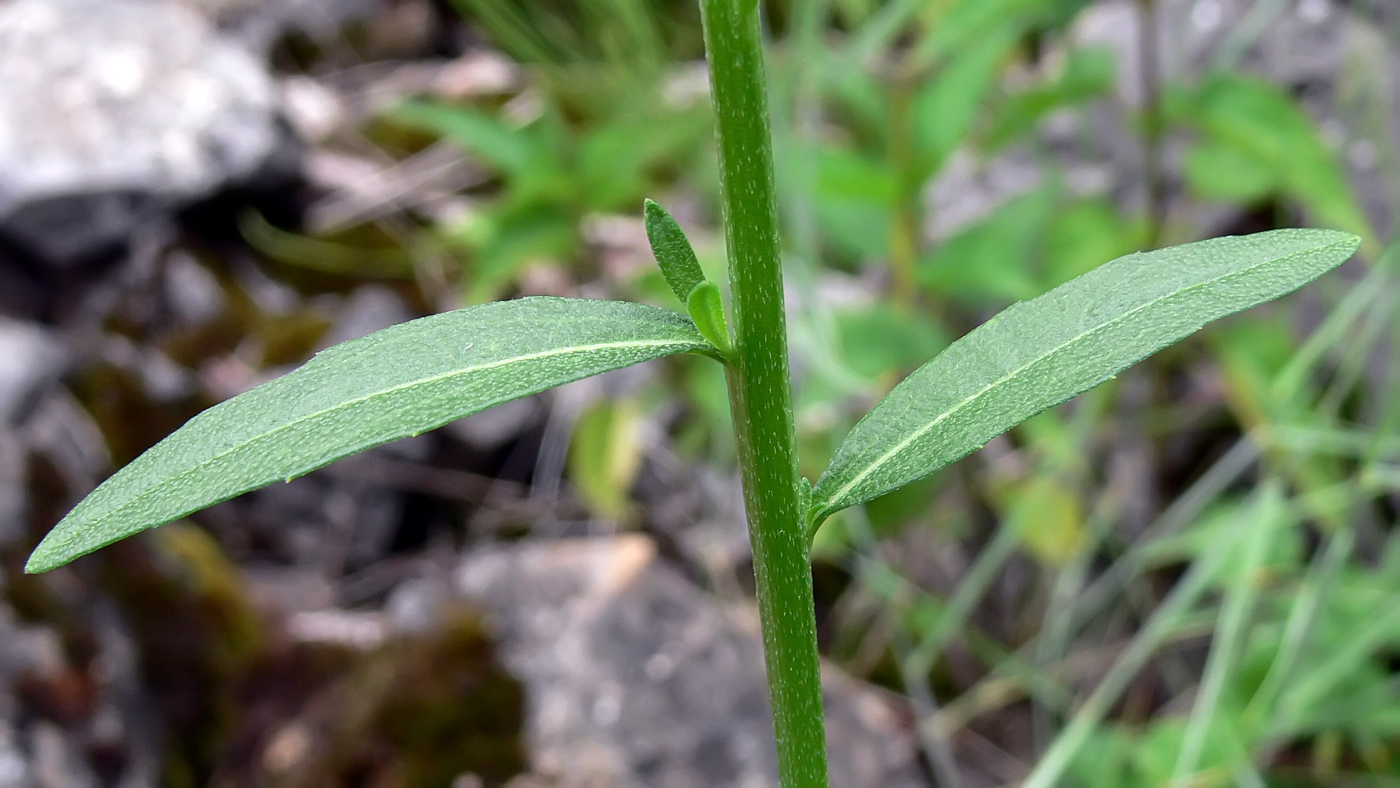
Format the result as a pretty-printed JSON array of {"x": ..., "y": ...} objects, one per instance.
[{"x": 1184, "y": 577}]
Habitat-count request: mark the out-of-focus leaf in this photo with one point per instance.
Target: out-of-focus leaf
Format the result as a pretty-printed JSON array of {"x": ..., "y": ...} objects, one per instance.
[
  {"x": 971, "y": 21},
  {"x": 1217, "y": 171},
  {"x": 860, "y": 100},
  {"x": 849, "y": 176},
  {"x": 1105, "y": 760},
  {"x": 1040, "y": 353},
  {"x": 609, "y": 167},
  {"x": 879, "y": 339},
  {"x": 515, "y": 238},
  {"x": 1083, "y": 235},
  {"x": 394, "y": 383},
  {"x": 1048, "y": 518},
  {"x": 1088, "y": 74},
  {"x": 855, "y": 199},
  {"x": 1252, "y": 354},
  {"x": 1258, "y": 122},
  {"x": 482, "y": 134},
  {"x": 605, "y": 454},
  {"x": 898, "y": 508},
  {"x": 944, "y": 111},
  {"x": 992, "y": 261},
  {"x": 321, "y": 254},
  {"x": 707, "y": 398},
  {"x": 613, "y": 159}
]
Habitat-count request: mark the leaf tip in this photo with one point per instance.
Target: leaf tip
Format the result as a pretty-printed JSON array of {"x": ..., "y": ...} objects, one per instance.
[
  {"x": 655, "y": 217},
  {"x": 42, "y": 559},
  {"x": 1339, "y": 239},
  {"x": 673, "y": 251}
]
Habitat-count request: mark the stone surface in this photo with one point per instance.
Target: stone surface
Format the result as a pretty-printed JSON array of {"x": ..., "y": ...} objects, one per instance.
[
  {"x": 31, "y": 359},
  {"x": 635, "y": 677},
  {"x": 65, "y": 726},
  {"x": 113, "y": 112},
  {"x": 13, "y": 498},
  {"x": 259, "y": 23}
]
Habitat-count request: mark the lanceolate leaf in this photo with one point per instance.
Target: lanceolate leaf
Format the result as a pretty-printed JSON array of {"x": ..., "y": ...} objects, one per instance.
[
  {"x": 1040, "y": 353},
  {"x": 673, "y": 252},
  {"x": 392, "y": 384}
]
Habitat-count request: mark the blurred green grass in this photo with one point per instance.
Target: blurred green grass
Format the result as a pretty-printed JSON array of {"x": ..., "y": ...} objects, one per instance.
[{"x": 1184, "y": 577}]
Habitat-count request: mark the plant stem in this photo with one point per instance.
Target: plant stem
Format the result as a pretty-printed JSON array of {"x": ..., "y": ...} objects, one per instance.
[
  {"x": 904, "y": 234},
  {"x": 761, "y": 389},
  {"x": 1149, "y": 74}
]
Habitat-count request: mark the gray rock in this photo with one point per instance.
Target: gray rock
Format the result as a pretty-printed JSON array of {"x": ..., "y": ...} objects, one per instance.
[
  {"x": 56, "y": 760},
  {"x": 634, "y": 677},
  {"x": 1294, "y": 44},
  {"x": 192, "y": 291},
  {"x": 36, "y": 752},
  {"x": 13, "y": 498},
  {"x": 369, "y": 308},
  {"x": 259, "y": 23},
  {"x": 14, "y": 770},
  {"x": 31, "y": 360},
  {"x": 113, "y": 112},
  {"x": 64, "y": 433},
  {"x": 492, "y": 428}
]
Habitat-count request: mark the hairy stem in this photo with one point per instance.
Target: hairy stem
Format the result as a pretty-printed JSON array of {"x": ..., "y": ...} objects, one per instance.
[{"x": 761, "y": 391}]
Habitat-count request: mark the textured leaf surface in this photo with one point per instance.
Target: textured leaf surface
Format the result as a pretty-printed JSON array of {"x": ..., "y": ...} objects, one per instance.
[
  {"x": 1040, "y": 353},
  {"x": 706, "y": 308},
  {"x": 398, "y": 382},
  {"x": 673, "y": 252}
]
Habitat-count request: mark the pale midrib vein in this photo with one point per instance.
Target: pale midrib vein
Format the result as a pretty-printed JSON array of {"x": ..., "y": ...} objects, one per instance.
[
  {"x": 924, "y": 430},
  {"x": 386, "y": 392}
]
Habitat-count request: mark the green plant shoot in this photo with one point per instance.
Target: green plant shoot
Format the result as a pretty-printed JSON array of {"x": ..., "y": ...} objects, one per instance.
[{"x": 420, "y": 375}]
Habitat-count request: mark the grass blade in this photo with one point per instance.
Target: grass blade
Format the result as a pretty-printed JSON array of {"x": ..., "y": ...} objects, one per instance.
[
  {"x": 1231, "y": 632},
  {"x": 393, "y": 384},
  {"x": 1039, "y": 353}
]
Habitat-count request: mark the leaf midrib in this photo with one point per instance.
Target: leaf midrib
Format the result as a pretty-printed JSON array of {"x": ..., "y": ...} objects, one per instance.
[
  {"x": 385, "y": 392},
  {"x": 826, "y": 506}
]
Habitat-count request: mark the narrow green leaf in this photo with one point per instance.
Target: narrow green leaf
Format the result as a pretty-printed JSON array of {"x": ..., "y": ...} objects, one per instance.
[
  {"x": 1040, "y": 353},
  {"x": 945, "y": 110},
  {"x": 706, "y": 307},
  {"x": 1263, "y": 126},
  {"x": 395, "y": 383},
  {"x": 673, "y": 252},
  {"x": 483, "y": 134}
]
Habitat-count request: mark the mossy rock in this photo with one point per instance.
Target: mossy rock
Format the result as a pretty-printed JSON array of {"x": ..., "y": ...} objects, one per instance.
[
  {"x": 197, "y": 634},
  {"x": 417, "y": 713}
]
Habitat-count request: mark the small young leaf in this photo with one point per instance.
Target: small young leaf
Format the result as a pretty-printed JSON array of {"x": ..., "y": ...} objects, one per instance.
[
  {"x": 673, "y": 252},
  {"x": 395, "y": 383},
  {"x": 1040, "y": 353},
  {"x": 804, "y": 497},
  {"x": 706, "y": 307}
]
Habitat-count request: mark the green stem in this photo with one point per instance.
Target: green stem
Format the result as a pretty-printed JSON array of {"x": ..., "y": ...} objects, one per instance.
[
  {"x": 1149, "y": 66},
  {"x": 904, "y": 234},
  {"x": 761, "y": 389}
]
